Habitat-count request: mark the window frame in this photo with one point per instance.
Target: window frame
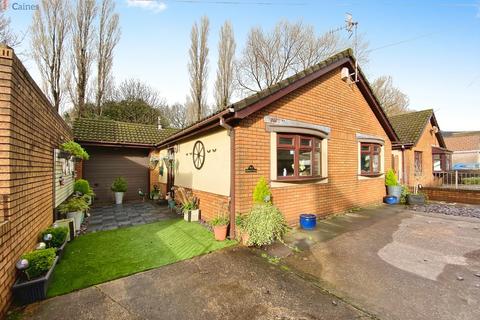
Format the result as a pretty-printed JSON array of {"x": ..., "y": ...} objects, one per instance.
[
  {"x": 297, "y": 147},
  {"x": 372, "y": 153},
  {"x": 418, "y": 162},
  {"x": 445, "y": 161}
]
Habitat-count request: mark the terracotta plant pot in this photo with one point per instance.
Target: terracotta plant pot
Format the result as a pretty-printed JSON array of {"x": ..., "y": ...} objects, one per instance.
[{"x": 220, "y": 232}]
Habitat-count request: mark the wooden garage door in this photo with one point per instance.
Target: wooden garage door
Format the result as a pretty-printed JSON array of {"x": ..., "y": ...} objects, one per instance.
[{"x": 106, "y": 164}]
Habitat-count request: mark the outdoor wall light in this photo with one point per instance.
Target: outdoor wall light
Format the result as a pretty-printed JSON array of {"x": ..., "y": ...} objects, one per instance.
[
  {"x": 21, "y": 264},
  {"x": 41, "y": 246}
]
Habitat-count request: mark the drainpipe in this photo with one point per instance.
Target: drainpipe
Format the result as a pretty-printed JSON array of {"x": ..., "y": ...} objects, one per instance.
[
  {"x": 403, "y": 165},
  {"x": 231, "y": 133}
]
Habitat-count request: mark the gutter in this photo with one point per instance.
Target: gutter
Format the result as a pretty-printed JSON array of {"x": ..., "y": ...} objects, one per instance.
[{"x": 231, "y": 133}]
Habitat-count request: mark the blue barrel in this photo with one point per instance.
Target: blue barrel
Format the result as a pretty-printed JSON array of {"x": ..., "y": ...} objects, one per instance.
[
  {"x": 390, "y": 200},
  {"x": 308, "y": 221}
]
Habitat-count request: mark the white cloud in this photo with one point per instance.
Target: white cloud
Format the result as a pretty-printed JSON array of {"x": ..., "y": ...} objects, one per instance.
[{"x": 150, "y": 5}]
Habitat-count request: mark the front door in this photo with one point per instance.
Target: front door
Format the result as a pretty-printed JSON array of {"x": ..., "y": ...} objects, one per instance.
[{"x": 171, "y": 171}]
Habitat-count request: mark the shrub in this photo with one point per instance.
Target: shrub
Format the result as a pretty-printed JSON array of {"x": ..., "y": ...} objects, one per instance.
[
  {"x": 75, "y": 149},
  {"x": 265, "y": 224},
  {"x": 82, "y": 186},
  {"x": 59, "y": 234},
  {"x": 119, "y": 185},
  {"x": 262, "y": 193},
  {"x": 471, "y": 180},
  {"x": 241, "y": 222},
  {"x": 405, "y": 193},
  {"x": 221, "y": 220},
  {"x": 186, "y": 199},
  {"x": 39, "y": 262},
  {"x": 73, "y": 204},
  {"x": 391, "y": 178}
]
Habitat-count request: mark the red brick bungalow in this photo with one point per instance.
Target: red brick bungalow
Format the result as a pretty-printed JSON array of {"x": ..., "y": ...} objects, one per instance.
[
  {"x": 421, "y": 151},
  {"x": 320, "y": 139}
]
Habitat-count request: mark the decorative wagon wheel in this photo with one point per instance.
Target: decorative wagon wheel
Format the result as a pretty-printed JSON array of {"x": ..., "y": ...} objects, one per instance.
[{"x": 198, "y": 155}]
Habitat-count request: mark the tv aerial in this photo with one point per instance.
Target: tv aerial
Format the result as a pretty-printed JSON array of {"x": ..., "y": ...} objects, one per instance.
[{"x": 351, "y": 26}]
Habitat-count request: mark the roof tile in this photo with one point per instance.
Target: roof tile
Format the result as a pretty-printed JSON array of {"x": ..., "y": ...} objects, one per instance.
[{"x": 410, "y": 126}]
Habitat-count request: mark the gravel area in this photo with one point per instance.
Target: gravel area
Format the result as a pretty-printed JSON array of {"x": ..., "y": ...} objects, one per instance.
[{"x": 449, "y": 209}]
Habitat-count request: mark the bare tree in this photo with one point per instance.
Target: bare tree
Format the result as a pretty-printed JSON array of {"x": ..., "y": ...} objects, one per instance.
[
  {"x": 134, "y": 89},
  {"x": 177, "y": 115},
  {"x": 108, "y": 37},
  {"x": 316, "y": 48},
  {"x": 197, "y": 66},
  {"x": 50, "y": 28},
  {"x": 393, "y": 100},
  {"x": 7, "y": 36},
  {"x": 83, "y": 32},
  {"x": 226, "y": 52}
]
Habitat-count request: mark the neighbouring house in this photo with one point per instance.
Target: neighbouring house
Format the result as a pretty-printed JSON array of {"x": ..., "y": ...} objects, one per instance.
[
  {"x": 320, "y": 139},
  {"x": 31, "y": 132},
  {"x": 421, "y": 151},
  {"x": 117, "y": 149},
  {"x": 466, "y": 148}
]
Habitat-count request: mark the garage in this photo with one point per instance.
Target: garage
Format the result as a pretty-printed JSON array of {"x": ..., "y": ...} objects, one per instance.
[
  {"x": 117, "y": 149},
  {"x": 107, "y": 163}
]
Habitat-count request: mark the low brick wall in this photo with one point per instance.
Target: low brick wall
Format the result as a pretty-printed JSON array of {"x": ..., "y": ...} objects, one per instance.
[
  {"x": 30, "y": 130},
  {"x": 453, "y": 195}
]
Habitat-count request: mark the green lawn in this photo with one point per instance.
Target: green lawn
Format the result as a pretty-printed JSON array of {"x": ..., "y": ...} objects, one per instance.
[{"x": 98, "y": 257}]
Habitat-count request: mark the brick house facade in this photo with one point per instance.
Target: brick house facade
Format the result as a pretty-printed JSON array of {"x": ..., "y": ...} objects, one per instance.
[
  {"x": 421, "y": 151},
  {"x": 30, "y": 130},
  {"x": 317, "y": 106}
]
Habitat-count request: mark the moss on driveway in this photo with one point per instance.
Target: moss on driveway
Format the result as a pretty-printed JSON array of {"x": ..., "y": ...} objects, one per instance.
[{"x": 98, "y": 257}]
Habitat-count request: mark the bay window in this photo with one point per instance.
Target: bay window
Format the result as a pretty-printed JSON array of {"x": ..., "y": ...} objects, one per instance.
[{"x": 298, "y": 156}]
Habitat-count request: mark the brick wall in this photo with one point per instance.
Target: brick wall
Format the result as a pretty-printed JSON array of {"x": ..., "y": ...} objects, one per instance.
[
  {"x": 330, "y": 102},
  {"x": 453, "y": 195},
  {"x": 29, "y": 131}
]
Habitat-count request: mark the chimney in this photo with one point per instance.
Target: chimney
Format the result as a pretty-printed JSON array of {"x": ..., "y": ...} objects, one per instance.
[{"x": 159, "y": 123}]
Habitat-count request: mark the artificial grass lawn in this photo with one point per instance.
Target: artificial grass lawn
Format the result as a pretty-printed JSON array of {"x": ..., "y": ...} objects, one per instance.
[{"x": 98, "y": 257}]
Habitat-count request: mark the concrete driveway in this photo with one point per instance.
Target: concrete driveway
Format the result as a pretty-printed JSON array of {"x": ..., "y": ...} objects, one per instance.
[
  {"x": 228, "y": 284},
  {"x": 396, "y": 263}
]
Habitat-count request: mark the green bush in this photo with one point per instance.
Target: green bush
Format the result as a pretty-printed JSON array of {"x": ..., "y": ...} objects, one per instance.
[
  {"x": 262, "y": 193},
  {"x": 221, "y": 220},
  {"x": 75, "y": 149},
  {"x": 265, "y": 224},
  {"x": 73, "y": 204},
  {"x": 405, "y": 193},
  {"x": 82, "y": 186},
  {"x": 391, "y": 178},
  {"x": 39, "y": 262},
  {"x": 471, "y": 180},
  {"x": 241, "y": 222},
  {"x": 119, "y": 185},
  {"x": 59, "y": 234}
]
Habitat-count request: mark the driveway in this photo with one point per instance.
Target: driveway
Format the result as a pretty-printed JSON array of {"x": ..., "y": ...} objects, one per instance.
[
  {"x": 228, "y": 284},
  {"x": 396, "y": 263}
]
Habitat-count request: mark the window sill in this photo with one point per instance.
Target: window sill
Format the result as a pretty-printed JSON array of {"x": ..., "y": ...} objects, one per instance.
[
  {"x": 370, "y": 176},
  {"x": 309, "y": 179}
]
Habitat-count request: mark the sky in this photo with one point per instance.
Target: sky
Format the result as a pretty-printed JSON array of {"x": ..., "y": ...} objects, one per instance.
[{"x": 430, "y": 48}]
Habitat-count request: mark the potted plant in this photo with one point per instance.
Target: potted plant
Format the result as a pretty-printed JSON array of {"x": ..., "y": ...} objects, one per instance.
[
  {"x": 189, "y": 204},
  {"x": 119, "y": 187},
  {"x": 36, "y": 267},
  {"x": 57, "y": 239},
  {"x": 155, "y": 193},
  {"x": 75, "y": 208},
  {"x": 416, "y": 197},
  {"x": 393, "y": 187},
  {"x": 74, "y": 149},
  {"x": 82, "y": 188},
  {"x": 265, "y": 224},
  {"x": 219, "y": 225}
]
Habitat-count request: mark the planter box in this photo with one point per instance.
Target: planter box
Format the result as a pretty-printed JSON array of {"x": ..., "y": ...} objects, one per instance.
[
  {"x": 70, "y": 224},
  {"x": 395, "y": 191},
  {"x": 25, "y": 292},
  {"x": 415, "y": 199},
  {"x": 77, "y": 216},
  {"x": 191, "y": 215},
  {"x": 61, "y": 250}
]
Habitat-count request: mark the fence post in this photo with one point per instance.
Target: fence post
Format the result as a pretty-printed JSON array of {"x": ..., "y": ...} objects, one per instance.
[{"x": 456, "y": 179}]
